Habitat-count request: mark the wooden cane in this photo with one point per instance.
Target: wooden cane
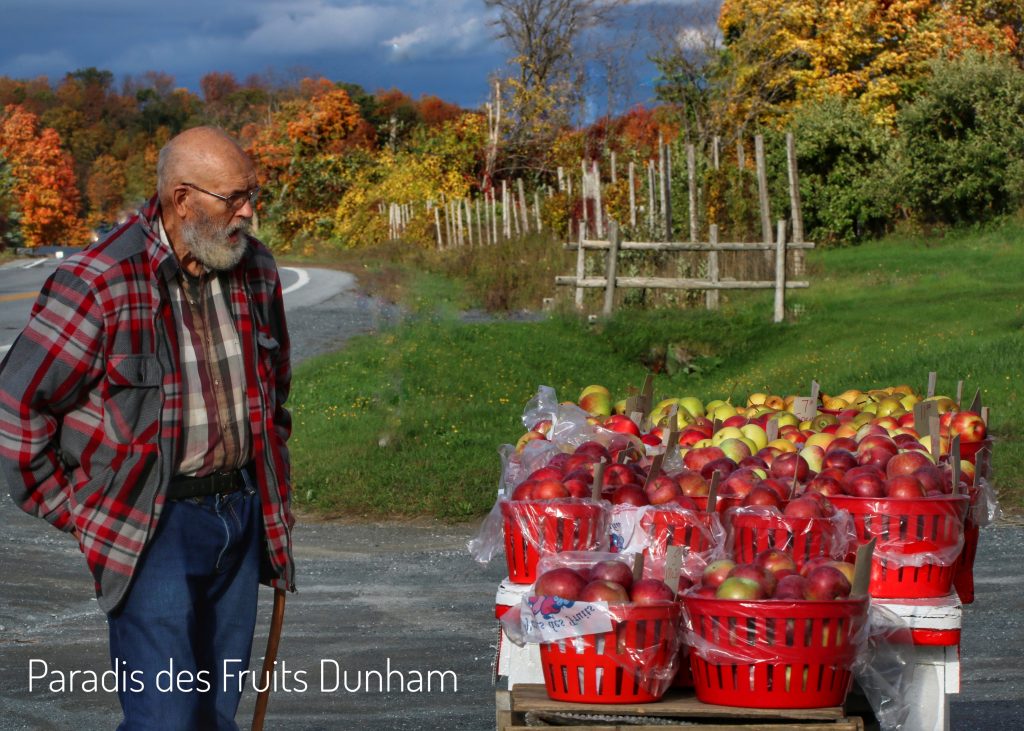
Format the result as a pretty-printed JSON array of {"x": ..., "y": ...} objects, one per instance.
[{"x": 269, "y": 658}]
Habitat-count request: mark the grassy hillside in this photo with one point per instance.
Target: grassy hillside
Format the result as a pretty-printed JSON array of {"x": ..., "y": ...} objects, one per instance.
[{"x": 408, "y": 422}]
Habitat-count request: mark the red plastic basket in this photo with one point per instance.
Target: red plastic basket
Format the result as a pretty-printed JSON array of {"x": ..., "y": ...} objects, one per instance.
[
  {"x": 533, "y": 527},
  {"x": 904, "y": 527},
  {"x": 963, "y": 572},
  {"x": 608, "y": 667},
  {"x": 751, "y": 532},
  {"x": 670, "y": 527},
  {"x": 773, "y": 654}
]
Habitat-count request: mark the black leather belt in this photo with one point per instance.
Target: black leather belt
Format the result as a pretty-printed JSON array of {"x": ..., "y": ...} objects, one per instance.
[{"x": 217, "y": 483}]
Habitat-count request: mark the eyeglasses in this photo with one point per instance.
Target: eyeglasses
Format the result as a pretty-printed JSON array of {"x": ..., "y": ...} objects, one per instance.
[{"x": 235, "y": 201}]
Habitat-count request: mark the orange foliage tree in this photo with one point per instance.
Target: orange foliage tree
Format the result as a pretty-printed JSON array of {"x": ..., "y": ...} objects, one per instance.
[
  {"x": 44, "y": 181},
  {"x": 308, "y": 154}
]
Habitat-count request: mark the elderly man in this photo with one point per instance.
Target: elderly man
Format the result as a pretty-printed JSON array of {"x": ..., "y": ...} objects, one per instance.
[{"x": 142, "y": 412}]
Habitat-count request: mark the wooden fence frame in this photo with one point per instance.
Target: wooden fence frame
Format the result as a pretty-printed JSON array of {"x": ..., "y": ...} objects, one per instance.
[{"x": 712, "y": 285}]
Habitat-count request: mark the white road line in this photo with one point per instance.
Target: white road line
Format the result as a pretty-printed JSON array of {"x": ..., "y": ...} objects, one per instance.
[
  {"x": 303, "y": 276},
  {"x": 35, "y": 263}
]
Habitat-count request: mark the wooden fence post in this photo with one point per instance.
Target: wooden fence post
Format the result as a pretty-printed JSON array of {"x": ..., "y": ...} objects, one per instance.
[
  {"x": 581, "y": 267},
  {"x": 780, "y": 272},
  {"x": 632, "y": 196},
  {"x": 691, "y": 174},
  {"x": 711, "y": 298},
  {"x": 598, "y": 213},
  {"x": 650, "y": 197},
  {"x": 794, "y": 204},
  {"x": 611, "y": 270},
  {"x": 437, "y": 225},
  {"x": 615, "y": 171},
  {"x": 762, "y": 193},
  {"x": 523, "y": 210}
]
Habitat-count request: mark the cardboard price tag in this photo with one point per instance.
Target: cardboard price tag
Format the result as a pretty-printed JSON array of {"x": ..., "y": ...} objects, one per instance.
[
  {"x": 815, "y": 392},
  {"x": 923, "y": 412},
  {"x": 673, "y": 565},
  {"x": 976, "y": 402},
  {"x": 954, "y": 462},
  {"x": 595, "y": 490},
  {"x": 932, "y": 378},
  {"x": 862, "y": 569},
  {"x": 655, "y": 470},
  {"x": 638, "y": 566},
  {"x": 933, "y": 435},
  {"x": 804, "y": 408},
  {"x": 772, "y": 429},
  {"x": 716, "y": 476}
]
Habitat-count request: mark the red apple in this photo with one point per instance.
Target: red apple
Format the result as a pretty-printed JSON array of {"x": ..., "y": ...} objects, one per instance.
[
  {"x": 785, "y": 465},
  {"x": 564, "y": 582},
  {"x": 761, "y": 495},
  {"x": 662, "y": 489},
  {"x": 782, "y": 489},
  {"x": 595, "y": 450},
  {"x": 841, "y": 458},
  {"x": 848, "y": 444},
  {"x": 692, "y": 484},
  {"x": 697, "y": 457},
  {"x": 827, "y": 582},
  {"x": 791, "y": 587},
  {"x": 621, "y": 424},
  {"x": 825, "y": 485},
  {"x": 933, "y": 479},
  {"x": 651, "y": 591},
  {"x": 549, "y": 490},
  {"x": 969, "y": 426},
  {"x": 776, "y": 561},
  {"x": 803, "y": 507},
  {"x": 717, "y": 571},
  {"x": 600, "y": 590},
  {"x": 723, "y": 466},
  {"x": 864, "y": 482},
  {"x": 904, "y": 486},
  {"x": 739, "y": 482},
  {"x": 631, "y": 494},
  {"x": 906, "y": 463},
  {"x": 524, "y": 490},
  {"x": 577, "y": 487}
]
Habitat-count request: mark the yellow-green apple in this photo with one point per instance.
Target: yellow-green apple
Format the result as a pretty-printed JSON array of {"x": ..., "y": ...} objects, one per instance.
[
  {"x": 527, "y": 438},
  {"x": 735, "y": 449},
  {"x": 820, "y": 439},
  {"x": 783, "y": 445},
  {"x": 726, "y": 432},
  {"x": 757, "y": 573},
  {"x": 597, "y": 402},
  {"x": 756, "y": 434},
  {"x": 813, "y": 455},
  {"x": 692, "y": 406},
  {"x": 737, "y": 587}
]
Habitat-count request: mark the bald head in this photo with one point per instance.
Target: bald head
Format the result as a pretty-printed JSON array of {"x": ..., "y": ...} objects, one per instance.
[{"x": 198, "y": 153}]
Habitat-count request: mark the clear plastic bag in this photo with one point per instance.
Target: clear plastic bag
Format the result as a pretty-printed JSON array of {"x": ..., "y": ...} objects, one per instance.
[
  {"x": 755, "y": 528},
  {"x": 884, "y": 668}
]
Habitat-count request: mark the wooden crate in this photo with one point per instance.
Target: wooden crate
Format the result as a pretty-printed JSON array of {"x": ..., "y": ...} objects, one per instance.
[{"x": 514, "y": 707}]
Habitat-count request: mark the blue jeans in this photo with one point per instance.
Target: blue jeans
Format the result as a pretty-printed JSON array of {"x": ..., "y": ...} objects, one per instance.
[{"x": 191, "y": 608}]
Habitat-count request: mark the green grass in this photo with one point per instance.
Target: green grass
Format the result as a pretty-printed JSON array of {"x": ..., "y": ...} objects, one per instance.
[{"x": 408, "y": 423}]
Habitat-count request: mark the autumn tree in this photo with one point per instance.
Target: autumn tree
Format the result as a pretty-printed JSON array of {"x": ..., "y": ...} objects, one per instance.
[
  {"x": 546, "y": 39},
  {"x": 307, "y": 155},
  {"x": 105, "y": 190},
  {"x": 44, "y": 181}
]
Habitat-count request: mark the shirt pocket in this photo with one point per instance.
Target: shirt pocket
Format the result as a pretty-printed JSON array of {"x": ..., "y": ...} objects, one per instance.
[
  {"x": 132, "y": 399},
  {"x": 267, "y": 349}
]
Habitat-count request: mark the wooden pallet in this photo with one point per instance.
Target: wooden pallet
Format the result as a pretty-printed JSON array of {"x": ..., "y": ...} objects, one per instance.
[{"x": 526, "y": 704}]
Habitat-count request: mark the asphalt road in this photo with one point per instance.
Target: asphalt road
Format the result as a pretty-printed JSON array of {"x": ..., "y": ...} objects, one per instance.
[{"x": 374, "y": 597}]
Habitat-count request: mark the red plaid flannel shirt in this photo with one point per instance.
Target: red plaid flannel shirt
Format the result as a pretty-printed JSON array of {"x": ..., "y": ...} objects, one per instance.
[{"x": 91, "y": 399}]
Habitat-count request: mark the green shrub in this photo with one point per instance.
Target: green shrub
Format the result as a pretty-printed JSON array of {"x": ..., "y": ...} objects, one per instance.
[{"x": 962, "y": 141}]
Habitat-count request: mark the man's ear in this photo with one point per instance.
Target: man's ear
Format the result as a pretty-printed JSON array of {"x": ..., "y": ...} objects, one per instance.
[{"x": 178, "y": 198}]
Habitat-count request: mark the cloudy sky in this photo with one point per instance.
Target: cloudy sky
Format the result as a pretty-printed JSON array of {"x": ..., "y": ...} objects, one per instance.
[{"x": 440, "y": 47}]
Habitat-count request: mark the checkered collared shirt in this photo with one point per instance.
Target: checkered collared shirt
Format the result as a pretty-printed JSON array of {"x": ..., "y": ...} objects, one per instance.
[
  {"x": 216, "y": 434},
  {"x": 91, "y": 400}
]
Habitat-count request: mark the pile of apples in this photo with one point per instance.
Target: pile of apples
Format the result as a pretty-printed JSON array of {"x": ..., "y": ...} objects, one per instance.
[
  {"x": 608, "y": 580},
  {"x": 774, "y": 575}
]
